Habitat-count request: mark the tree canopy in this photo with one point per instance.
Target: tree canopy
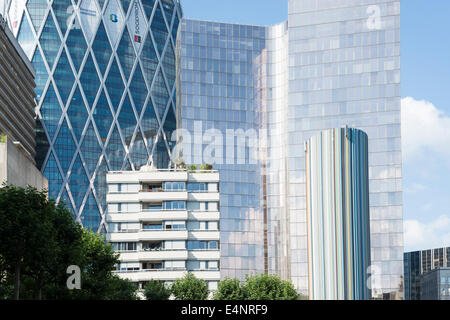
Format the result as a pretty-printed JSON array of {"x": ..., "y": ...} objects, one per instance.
[
  {"x": 190, "y": 288},
  {"x": 39, "y": 240},
  {"x": 156, "y": 290},
  {"x": 256, "y": 287}
]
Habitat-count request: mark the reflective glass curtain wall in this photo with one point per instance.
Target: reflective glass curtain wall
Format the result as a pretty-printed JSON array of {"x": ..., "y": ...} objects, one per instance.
[
  {"x": 105, "y": 91},
  {"x": 220, "y": 88},
  {"x": 344, "y": 69},
  {"x": 335, "y": 63}
]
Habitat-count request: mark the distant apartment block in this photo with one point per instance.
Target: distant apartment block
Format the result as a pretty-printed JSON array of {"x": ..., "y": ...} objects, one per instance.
[
  {"x": 165, "y": 223},
  {"x": 17, "y": 123},
  {"x": 418, "y": 263}
]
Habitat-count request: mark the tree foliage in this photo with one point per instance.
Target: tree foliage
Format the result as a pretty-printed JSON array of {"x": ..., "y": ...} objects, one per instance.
[
  {"x": 156, "y": 290},
  {"x": 230, "y": 289},
  {"x": 39, "y": 240},
  {"x": 256, "y": 287},
  {"x": 190, "y": 288},
  {"x": 269, "y": 287}
]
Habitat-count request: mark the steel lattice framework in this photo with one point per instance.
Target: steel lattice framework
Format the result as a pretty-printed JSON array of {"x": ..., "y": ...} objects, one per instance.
[{"x": 106, "y": 91}]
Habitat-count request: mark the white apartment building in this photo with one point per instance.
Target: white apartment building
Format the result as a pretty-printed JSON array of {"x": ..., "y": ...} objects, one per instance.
[{"x": 165, "y": 223}]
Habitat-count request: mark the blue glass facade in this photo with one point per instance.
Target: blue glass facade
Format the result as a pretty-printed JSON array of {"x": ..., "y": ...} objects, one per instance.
[
  {"x": 105, "y": 91},
  {"x": 334, "y": 63},
  {"x": 219, "y": 89}
]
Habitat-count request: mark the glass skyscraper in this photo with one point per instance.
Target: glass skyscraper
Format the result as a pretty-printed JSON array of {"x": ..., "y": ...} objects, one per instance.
[
  {"x": 220, "y": 70},
  {"x": 334, "y": 63},
  {"x": 105, "y": 75},
  {"x": 418, "y": 263}
]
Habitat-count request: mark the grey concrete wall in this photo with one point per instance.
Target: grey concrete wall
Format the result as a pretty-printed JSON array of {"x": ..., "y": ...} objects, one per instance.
[{"x": 18, "y": 169}]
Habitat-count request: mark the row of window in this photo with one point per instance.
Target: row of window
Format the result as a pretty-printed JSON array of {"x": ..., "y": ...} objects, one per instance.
[
  {"x": 190, "y": 265},
  {"x": 191, "y": 245},
  {"x": 212, "y": 285},
  {"x": 164, "y": 225},
  {"x": 165, "y": 186}
]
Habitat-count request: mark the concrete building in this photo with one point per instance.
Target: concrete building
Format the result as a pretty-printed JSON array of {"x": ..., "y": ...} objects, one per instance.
[
  {"x": 435, "y": 284},
  {"x": 334, "y": 63},
  {"x": 17, "y": 117},
  {"x": 165, "y": 223},
  {"x": 418, "y": 263},
  {"x": 337, "y": 202}
]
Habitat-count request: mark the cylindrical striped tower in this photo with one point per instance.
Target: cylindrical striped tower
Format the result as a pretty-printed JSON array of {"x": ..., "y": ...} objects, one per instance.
[
  {"x": 337, "y": 188},
  {"x": 105, "y": 87}
]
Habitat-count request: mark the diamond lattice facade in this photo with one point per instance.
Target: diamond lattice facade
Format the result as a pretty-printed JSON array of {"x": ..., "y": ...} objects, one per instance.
[{"x": 105, "y": 86}]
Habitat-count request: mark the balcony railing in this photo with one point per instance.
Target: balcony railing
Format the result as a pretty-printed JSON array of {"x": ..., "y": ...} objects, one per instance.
[
  {"x": 167, "y": 170},
  {"x": 150, "y": 270},
  {"x": 160, "y": 249}
]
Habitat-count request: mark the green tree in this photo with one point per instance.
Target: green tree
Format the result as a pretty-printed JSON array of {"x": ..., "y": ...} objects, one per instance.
[
  {"x": 156, "y": 290},
  {"x": 190, "y": 288},
  {"x": 23, "y": 235},
  {"x": 121, "y": 289},
  {"x": 98, "y": 259},
  {"x": 230, "y": 289},
  {"x": 268, "y": 287},
  {"x": 39, "y": 240}
]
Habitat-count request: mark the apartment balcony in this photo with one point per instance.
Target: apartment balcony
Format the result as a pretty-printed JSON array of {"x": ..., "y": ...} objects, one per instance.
[
  {"x": 150, "y": 215},
  {"x": 159, "y": 215},
  {"x": 147, "y": 235},
  {"x": 203, "y": 176},
  {"x": 142, "y": 176},
  {"x": 204, "y": 255},
  {"x": 154, "y": 255},
  {"x": 204, "y": 215},
  {"x": 148, "y": 196},
  {"x": 204, "y": 235},
  {"x": 166, "y": 275},
  {"x": 203, "y": 196},
  {"x": 152, "y": 274}
]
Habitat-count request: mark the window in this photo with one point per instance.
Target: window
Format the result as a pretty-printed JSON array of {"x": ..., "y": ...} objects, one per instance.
[
  {"x": 128, "y": 266},
  {"x": 175, "y": 245},
  {"x": 175, "y": 265},
  {"x": 203, "y": 225},
  {"x": 203, "y": 245},
  {"x": 152, "y": 226},
  {"x": 152, "y": 265},
  {"x": 175, "y": 225},
  {"x": 152, "y": 187},
  {"x": 203, "y": 206},
  {"x": 153, "y": 206},
  {"x": 123, "y": 188},
  {"x": 124, "y": 246},
  {"x": 174, "y": 186},
  {"x": 194, "y": 265},
  {"x": 123, "y": 207},
  {"x": 152, "y": 246},
  {"x": 197, "y": 187},
  {"x": 174, "y": 205}
]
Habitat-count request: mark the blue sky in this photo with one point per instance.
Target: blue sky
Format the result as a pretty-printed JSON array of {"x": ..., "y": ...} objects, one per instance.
[{"x": 425, "y": 62}]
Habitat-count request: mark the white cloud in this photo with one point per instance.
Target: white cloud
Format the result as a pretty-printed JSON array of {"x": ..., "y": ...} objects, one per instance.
[
  {"x": 415, "y": 188},
  {"x": 426, "y": 235},
  {"x": 424, "y": 128}
]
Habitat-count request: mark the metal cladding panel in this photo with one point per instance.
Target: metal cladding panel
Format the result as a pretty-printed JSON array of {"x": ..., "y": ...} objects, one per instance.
[{"x": 337, "y": 180}]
